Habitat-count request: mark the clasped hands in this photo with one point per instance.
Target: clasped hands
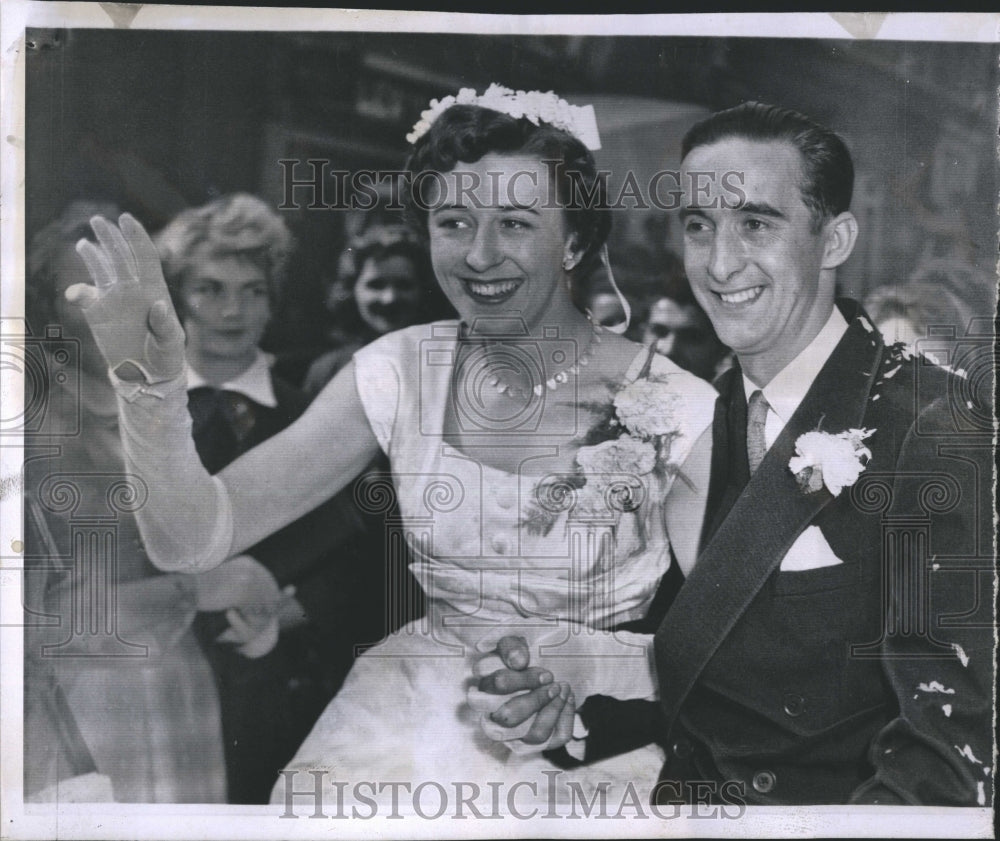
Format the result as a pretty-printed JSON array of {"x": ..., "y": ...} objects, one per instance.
[
  {"x": 617, "y": 664},
  {"x": 539, "y": 716}
]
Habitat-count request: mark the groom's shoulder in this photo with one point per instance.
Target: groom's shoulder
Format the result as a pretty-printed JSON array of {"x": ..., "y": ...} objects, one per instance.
[{"x": 920, "y": 387}]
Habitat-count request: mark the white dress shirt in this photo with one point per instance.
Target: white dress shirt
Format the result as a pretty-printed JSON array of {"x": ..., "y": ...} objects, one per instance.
[
  {"x": 787, "y": 390},
  {"x": 784, "y": 394},
  {"x": 254, "y": 382}
]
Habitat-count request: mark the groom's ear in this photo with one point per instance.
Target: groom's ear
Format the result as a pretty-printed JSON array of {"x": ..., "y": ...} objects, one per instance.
[{"x": 839, "y": 234}]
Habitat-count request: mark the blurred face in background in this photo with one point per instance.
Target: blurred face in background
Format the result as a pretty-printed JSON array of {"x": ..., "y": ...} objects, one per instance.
[
  {"x": 606, "y": 309},
  {"x": 387, "y": 293},
  {"x": 899, "y": 328},
  {"x": 683, "y": 333},
  {"x": 226, "y": 308}
]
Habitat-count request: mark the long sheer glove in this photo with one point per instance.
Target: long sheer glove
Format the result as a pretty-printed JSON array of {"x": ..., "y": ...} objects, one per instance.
[{"x": 183, "y": 512}]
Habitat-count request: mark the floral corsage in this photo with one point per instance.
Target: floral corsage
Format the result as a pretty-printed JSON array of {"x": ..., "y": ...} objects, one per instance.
[
  {"x": 632, "y": 439},
  {"x": 834, "y": 461}
]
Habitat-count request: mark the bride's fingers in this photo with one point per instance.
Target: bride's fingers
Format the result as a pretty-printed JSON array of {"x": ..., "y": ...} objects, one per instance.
[
  {"x": 142, "y": 248},
  {"x": 165, "y": 328},
  {"x": 504, "y": 681},
  {"x": 81, "y": 294},
  {"x": 487, "y": 665},
  {"x": 545, "y": 722},
  {"x": 98, "y": 265},
  {"x": 481, "y": 702},
  {"x": 524, "y": 706},
  {"x": 117, "y": 249}
]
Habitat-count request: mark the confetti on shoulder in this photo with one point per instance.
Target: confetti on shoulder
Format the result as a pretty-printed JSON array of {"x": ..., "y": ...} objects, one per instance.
[
  {"x": 962, "y": 656},
  {"x": 934, "y": 686},
  {"x": 968, "y": 754}
]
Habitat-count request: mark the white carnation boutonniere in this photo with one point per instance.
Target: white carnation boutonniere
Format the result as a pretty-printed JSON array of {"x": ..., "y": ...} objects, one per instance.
[{"x": 831, "y": 460}]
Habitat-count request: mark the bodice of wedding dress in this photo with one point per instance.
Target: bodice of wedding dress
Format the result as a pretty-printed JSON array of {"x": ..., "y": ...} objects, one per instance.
[{"x": 553, "y": 558}]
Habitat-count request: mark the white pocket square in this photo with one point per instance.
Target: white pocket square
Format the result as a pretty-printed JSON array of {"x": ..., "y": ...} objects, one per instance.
[{"x": 810, "y": 551}]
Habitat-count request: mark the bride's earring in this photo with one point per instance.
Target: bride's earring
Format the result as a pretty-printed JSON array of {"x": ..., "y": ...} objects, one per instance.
[
  {"x": 568, "y": 264},
  {"x": 570, "y": 256}
]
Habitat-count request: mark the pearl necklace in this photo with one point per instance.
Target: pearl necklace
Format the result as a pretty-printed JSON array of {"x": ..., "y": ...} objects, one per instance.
[{"x": 557, "y": 379}]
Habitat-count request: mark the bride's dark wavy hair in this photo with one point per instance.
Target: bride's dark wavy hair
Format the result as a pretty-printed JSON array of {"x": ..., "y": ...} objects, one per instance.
[{"x": 467, "y": 133}]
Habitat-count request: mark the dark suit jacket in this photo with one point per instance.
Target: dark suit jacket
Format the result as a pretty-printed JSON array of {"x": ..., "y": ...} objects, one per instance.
[{"x": 870, "y": 681}]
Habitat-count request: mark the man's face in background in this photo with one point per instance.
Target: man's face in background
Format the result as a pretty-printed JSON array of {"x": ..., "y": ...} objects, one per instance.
[{"x": 683, "y": 333}]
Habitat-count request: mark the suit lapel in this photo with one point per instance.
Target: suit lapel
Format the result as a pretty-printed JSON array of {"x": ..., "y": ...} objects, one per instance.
[{"x": 762, "y": 523}]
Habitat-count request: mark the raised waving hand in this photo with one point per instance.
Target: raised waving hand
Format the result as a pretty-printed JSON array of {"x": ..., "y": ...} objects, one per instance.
[{"x": 128, "y": 308}]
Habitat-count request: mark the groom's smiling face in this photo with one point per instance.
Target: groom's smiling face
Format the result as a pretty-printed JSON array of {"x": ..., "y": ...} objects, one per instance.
[{"x": 752, "y": 254}]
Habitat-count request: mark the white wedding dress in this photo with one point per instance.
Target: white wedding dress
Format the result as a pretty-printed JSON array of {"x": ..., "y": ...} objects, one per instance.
[{"x": 494, "y": 555}]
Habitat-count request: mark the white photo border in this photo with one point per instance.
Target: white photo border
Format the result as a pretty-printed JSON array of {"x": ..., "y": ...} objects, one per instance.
[{"x": 112, "y": 821}]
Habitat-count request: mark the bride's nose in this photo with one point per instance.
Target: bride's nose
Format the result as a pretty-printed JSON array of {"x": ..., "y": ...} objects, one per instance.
[{"x": 483, "y": 252}]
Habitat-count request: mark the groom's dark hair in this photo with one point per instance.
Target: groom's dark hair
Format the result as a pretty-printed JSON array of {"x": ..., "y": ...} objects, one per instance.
[{"x": 828, "y": 171}]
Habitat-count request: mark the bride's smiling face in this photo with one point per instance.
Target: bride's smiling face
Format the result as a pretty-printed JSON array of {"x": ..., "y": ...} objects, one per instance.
[{"x": 498, "y": 240}]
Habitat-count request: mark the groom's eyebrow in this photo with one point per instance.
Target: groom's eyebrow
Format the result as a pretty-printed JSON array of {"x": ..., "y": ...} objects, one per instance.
[{"x": 761, "y": 209}]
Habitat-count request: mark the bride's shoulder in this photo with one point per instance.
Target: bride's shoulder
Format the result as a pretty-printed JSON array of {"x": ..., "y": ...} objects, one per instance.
[
  {"x": 663, "y": 368},
  {"x": 692, "y": 397},
  {"x": 412, "y": 343},
  {"x": 667, "y": 379}
]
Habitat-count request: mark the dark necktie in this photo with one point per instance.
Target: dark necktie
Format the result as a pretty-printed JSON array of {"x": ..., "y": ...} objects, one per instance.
[{"x": 756, "y": 419}]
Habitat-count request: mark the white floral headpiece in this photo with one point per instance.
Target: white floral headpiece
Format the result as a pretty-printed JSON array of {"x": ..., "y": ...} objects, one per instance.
[{"x": 536, "y": 106}]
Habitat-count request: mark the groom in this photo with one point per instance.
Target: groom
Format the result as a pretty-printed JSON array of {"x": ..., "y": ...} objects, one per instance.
[{"x": 833, "y": 640}]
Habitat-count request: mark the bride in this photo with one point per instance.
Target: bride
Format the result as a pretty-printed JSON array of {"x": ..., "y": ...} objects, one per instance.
[{"x": 531, "y": 451}]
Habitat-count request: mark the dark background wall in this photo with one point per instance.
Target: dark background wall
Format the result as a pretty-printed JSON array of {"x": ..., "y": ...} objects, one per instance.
[{"x": 157, "y": 120}]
